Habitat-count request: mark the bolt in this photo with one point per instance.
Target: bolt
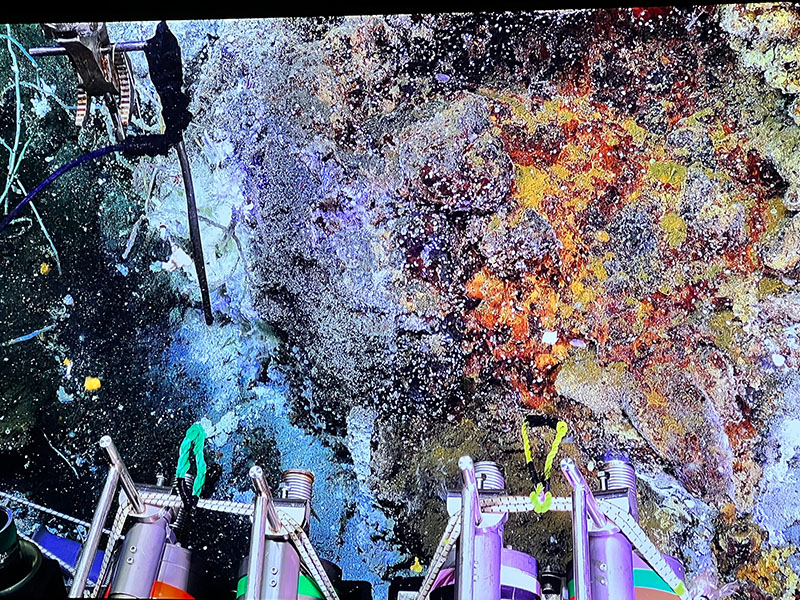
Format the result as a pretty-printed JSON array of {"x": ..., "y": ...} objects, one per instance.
[
  {"x": 273, "y": 582},
  {"x": 129, "y": 560},
  {"x": 133, "y": 549}
]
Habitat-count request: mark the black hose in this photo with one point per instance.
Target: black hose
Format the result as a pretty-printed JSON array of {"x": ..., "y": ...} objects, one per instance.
[
  {"x": 194, "y": 232},
  {"x": 185, "y": 515}
]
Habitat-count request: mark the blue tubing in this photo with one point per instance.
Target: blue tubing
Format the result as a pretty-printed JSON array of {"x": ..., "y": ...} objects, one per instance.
[{"x": 58, "y": 173}]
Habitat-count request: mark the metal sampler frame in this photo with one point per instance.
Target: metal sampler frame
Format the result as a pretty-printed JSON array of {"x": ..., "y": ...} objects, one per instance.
[
  {"x": 280, "y": 518},
  {"x": 475, "y": 507}
]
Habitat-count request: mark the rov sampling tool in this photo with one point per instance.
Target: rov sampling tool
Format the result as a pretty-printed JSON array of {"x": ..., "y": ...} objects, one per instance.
[
  {"x": 103, "y": 70},
  {"x": 148, "y": 555}
]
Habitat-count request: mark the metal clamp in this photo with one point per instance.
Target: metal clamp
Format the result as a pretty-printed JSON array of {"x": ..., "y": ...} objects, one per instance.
[{"x": 103, "y": 69}]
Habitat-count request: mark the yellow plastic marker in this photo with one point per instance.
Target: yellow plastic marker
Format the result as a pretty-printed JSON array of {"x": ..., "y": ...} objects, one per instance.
[
  {"x": 416, "y": 567},
  {"x": 92, "y": 383}
]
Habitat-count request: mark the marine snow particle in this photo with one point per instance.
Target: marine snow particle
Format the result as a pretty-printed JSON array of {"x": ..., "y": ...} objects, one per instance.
[
  {"x": 91, "y": 384},
  {"x": 44, "y": 268},
  {"x": 549, "y": 337},
  {"x": 778, "y": 360}
]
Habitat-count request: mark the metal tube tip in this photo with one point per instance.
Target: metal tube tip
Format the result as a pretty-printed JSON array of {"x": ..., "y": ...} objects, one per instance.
[
  {"x": 259, "y": 483},
  {"x": 105, "y": 441},
  {"x": 465, "y": 463}
]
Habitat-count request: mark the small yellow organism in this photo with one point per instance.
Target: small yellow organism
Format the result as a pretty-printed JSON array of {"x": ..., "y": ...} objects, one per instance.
[
  {"x": 44, "y": 268},
  {"x": 603, "y": 236},
  {"x": 92, "y": 384},
  {"x": 67, "y": 362},
  {"x": 416, "y": 567}
]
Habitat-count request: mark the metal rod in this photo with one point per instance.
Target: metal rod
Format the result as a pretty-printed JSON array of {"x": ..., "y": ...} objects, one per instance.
[
  {"x": 89, "y": 549},
  {"x": 470, "y": 482},
  {"x": 576, "y": 480},
  {"x": 124, "y": 477},
  {"x": 470, "y": 516},
  {"x": 261, "y": 487},
  {"x": 119, "y": 47},
  {"x": 581, "y": 560},
  {"x": 194, "y": 232},
  {"x": 258, "y": 540}
]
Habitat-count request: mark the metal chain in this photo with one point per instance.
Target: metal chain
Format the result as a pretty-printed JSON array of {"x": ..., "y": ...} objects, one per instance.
[
  {"x": 449, "y": 537},
  {"x": 173, "y": 501},
  {"x": 49, "y": 511},
  {"x": 645, "y": 546},
  {"x": 116, "y": 532},
  {"x": 306, "y": 550}
]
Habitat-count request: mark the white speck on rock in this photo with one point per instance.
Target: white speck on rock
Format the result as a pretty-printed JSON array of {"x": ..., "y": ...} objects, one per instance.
[{"x": 549, "y": 337}]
